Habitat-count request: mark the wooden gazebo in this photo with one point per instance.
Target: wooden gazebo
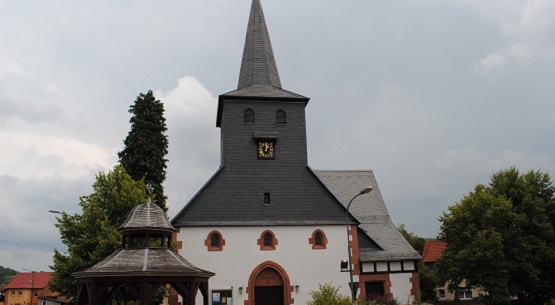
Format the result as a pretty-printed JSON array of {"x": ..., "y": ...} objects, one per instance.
[{"x": 145, "y": 263}]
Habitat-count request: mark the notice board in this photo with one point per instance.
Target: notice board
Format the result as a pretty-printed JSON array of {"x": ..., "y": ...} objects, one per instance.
[{"x": 221, "y": 297}]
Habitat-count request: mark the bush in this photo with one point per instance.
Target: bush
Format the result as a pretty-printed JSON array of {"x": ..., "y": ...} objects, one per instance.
[
  {"x": 378, "y": 300},
  {"x": 328, "y": 295}
]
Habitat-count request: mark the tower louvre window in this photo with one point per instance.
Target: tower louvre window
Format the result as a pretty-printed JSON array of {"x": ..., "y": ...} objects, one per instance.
[
  {"x": 248, "y": 117},
  {"x": 266, "y": 198},
  {"x": 281, "y": 118}
]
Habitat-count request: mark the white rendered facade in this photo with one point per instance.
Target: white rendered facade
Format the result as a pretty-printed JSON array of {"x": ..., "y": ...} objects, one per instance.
[{"x": 241, "y": 255}]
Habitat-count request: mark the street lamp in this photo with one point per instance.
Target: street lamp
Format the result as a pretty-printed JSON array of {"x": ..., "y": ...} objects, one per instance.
[
  {"x": 55, "y": 212},
  {"x": 32, "y": 284},
  {"x": 365, "y": 190}
]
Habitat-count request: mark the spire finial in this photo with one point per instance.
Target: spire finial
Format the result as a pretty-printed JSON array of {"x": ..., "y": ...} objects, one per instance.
[{"x": 258, "y": 66}]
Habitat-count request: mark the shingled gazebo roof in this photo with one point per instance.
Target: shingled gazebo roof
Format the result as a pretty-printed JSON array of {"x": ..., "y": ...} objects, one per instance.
[
  {"x": 132, "y": 262},
  {"x": 147, "y": 216},
  {"x": 145, "y": 263}
]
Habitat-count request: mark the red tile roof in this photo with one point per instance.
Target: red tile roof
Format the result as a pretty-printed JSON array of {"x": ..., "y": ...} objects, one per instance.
[
  {"x": 433, "y": 249},
  {"x": 24, "y": 280}
]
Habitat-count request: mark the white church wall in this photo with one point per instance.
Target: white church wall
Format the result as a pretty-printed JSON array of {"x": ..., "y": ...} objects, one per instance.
[{"x": 241, "y": 255}]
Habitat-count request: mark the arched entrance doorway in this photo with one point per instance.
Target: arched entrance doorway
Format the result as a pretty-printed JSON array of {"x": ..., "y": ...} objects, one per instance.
[
  {"x": 268, "y": 288},
  {"x": 269, "y": 285}
]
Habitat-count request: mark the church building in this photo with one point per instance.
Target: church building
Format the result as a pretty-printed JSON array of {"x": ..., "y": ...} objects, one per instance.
[{"x": 270, "y": 227}]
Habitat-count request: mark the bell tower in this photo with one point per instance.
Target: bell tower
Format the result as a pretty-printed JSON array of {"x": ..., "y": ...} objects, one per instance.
[{"x": 261, "y": 124}]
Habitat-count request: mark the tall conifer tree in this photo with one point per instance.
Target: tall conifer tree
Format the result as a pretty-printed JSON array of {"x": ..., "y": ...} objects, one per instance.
[{"x": 146, "y": 145}]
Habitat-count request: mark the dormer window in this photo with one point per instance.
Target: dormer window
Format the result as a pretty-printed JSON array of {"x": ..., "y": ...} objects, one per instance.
[
  {"x": 281, "y": 118},
  {"x": 248, "y": 117}
]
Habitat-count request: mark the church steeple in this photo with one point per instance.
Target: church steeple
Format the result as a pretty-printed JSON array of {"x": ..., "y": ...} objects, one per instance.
[
  {"x": 258, "y": 66},
  {"x": 258, "y": 78}
]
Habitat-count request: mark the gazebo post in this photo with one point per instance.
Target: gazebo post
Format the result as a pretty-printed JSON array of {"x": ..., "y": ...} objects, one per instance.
[
  {"x": 92, "y": 294},
  {"x": 144, "y": 293},
  {"x": 203, "y": 287}
]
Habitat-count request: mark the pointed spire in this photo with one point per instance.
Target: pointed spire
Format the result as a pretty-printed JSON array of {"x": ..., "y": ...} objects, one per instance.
[{"x": 258, "y": 66}]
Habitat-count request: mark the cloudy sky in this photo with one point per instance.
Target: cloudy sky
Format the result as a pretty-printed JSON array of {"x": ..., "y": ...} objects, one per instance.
[{"x": 433, "y": 95}]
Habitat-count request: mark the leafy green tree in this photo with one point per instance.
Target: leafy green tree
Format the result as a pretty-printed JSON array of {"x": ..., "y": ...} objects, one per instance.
[
  {"x": 146, "y": 145},
  {"x": 328, "y": 295},
  {"x": 414, "y": 240},
  {"x": 428, "y": 283},
  {"x": 6, "y": 275},
  {"x": 501, "y": 237},
  {"x": 93, "y": 235}
]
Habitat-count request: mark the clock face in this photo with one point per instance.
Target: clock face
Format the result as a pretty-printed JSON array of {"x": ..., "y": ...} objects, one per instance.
[{"x": 265, "y": 150}]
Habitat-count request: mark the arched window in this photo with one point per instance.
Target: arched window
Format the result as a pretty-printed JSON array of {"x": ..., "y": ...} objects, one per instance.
[
  {"x": 248, "y": 117},
  {"x": 281, "y": 118},
  {"x": 214, "y": 241},
  {"x": 267, "y": 240},
  {"x": 318, "y": 240}
]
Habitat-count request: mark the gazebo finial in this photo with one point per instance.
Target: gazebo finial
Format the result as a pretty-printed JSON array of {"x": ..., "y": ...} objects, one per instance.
[{"x": 149, "y": 191}]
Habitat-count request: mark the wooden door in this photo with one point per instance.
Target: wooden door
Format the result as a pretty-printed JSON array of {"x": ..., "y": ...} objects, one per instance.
[
  {"x": 268, "y": 295},
  {"x": 268, "y": 288}
]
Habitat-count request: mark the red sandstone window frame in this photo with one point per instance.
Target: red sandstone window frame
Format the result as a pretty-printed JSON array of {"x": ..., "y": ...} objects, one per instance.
[
  {"x": 208, "y": 241},
  {"x": 324, "y": 240},
  {"x": 272, "y": 244}
]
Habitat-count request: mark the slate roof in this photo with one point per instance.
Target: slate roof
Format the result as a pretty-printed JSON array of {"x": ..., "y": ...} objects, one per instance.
[
  {"x": 234, "y": 196},
  {"x": 258, "y": 66},
  {"x": 264, "y": 91},
  {"x": 258, "y": 77},
  {"x": 370, "y": 210},
  {"x": 24, "y": 280},
  {"x": 132, "y": 262},
  {"x": 147, "y": 216},
  {"x": 433, "y": 249}
]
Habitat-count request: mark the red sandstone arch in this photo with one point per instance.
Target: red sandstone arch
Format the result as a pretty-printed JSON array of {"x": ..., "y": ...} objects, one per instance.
[{"x": 269, "y": 273}]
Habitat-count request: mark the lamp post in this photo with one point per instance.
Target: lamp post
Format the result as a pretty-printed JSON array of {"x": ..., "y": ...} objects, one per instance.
[
  {"x": 32, "y": 284},
  {"x": 365, "y": 190}
]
